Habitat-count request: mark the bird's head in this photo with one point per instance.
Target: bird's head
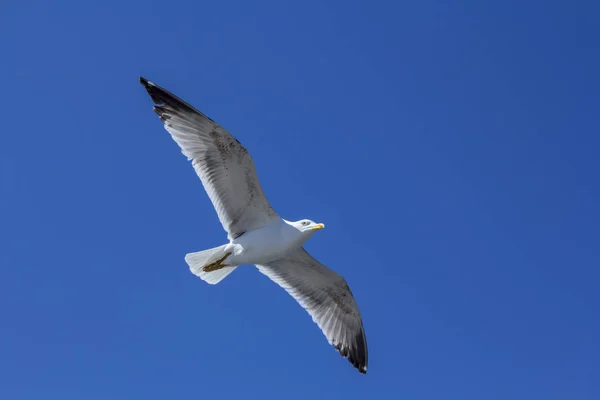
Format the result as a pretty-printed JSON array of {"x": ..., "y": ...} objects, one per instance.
[{"x": 307, "y": 226}]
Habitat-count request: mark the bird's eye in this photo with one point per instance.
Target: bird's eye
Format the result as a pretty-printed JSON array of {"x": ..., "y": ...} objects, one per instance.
[{"x": 305, "y": 223}]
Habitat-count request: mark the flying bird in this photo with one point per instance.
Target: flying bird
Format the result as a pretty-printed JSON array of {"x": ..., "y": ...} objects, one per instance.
[{"x": 256, "y": 233}]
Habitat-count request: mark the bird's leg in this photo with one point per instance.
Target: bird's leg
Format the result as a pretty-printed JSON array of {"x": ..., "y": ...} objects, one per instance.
[{"x": 213, "y": 266}]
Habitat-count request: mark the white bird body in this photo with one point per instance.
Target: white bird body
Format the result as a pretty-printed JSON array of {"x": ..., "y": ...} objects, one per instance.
[
  {"x": 266, "y": 244},
  {"x": 257, "y": 234}
]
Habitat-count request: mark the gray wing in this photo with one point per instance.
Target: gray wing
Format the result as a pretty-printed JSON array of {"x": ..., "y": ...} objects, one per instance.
[
  {"x": 224, "y": 166},
  {"x": 327, "y": 298}
]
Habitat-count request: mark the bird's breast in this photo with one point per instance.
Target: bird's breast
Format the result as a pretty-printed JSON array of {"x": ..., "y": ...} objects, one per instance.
[{"x": 263, "y": 245}]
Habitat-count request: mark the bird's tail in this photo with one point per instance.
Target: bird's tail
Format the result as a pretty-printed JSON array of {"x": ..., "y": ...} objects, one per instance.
[{"x": 200, "y": 259}]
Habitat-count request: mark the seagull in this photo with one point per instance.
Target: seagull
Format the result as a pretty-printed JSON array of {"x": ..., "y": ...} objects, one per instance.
[{"x": 256, "y": 233}]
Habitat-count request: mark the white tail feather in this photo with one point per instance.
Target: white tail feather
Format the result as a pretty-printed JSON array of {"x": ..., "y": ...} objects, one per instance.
[{"x": 201, "y": 258}]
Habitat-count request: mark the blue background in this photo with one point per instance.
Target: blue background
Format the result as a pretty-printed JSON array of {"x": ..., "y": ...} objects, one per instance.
[{"x": 451, "y": 150}]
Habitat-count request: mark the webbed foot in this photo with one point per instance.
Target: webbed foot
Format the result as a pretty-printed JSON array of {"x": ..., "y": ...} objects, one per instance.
[{"x": 213, "y": 266}]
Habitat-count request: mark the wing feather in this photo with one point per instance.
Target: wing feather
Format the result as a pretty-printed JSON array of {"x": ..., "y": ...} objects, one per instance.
[
  {"x": 325, "y": 295},
  {"x": 224, "y": 166}
]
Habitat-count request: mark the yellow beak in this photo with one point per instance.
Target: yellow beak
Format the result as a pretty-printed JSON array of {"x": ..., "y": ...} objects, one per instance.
[{"x": 318, "y": 227}]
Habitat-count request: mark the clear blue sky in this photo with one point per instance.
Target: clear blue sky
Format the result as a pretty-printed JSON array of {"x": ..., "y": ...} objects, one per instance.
[{"x": 451, "y": 150}]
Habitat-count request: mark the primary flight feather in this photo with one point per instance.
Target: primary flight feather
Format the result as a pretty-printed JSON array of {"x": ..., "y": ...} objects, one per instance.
[{"x": 257, "y": 234}]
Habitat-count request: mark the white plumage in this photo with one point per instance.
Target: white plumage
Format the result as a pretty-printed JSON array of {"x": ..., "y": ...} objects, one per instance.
[{"x": 256, "y": 233}]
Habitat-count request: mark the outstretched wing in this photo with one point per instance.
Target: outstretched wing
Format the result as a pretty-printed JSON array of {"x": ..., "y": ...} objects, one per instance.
[
  {"x": 327, "y": 298},
  {"x": 224, "y": 166}
]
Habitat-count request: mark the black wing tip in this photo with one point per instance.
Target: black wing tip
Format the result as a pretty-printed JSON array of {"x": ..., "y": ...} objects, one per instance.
[
  {"x": 161, "y": 96},
  {"x": 356, "y": 354},
  {"x": 358, "y": 360},
  {"x": 362, "y": 351},
  {"x": 158, "y": 94},
  {"x": 362, "y": 368},
  {"x": 147, "y": 84}
]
